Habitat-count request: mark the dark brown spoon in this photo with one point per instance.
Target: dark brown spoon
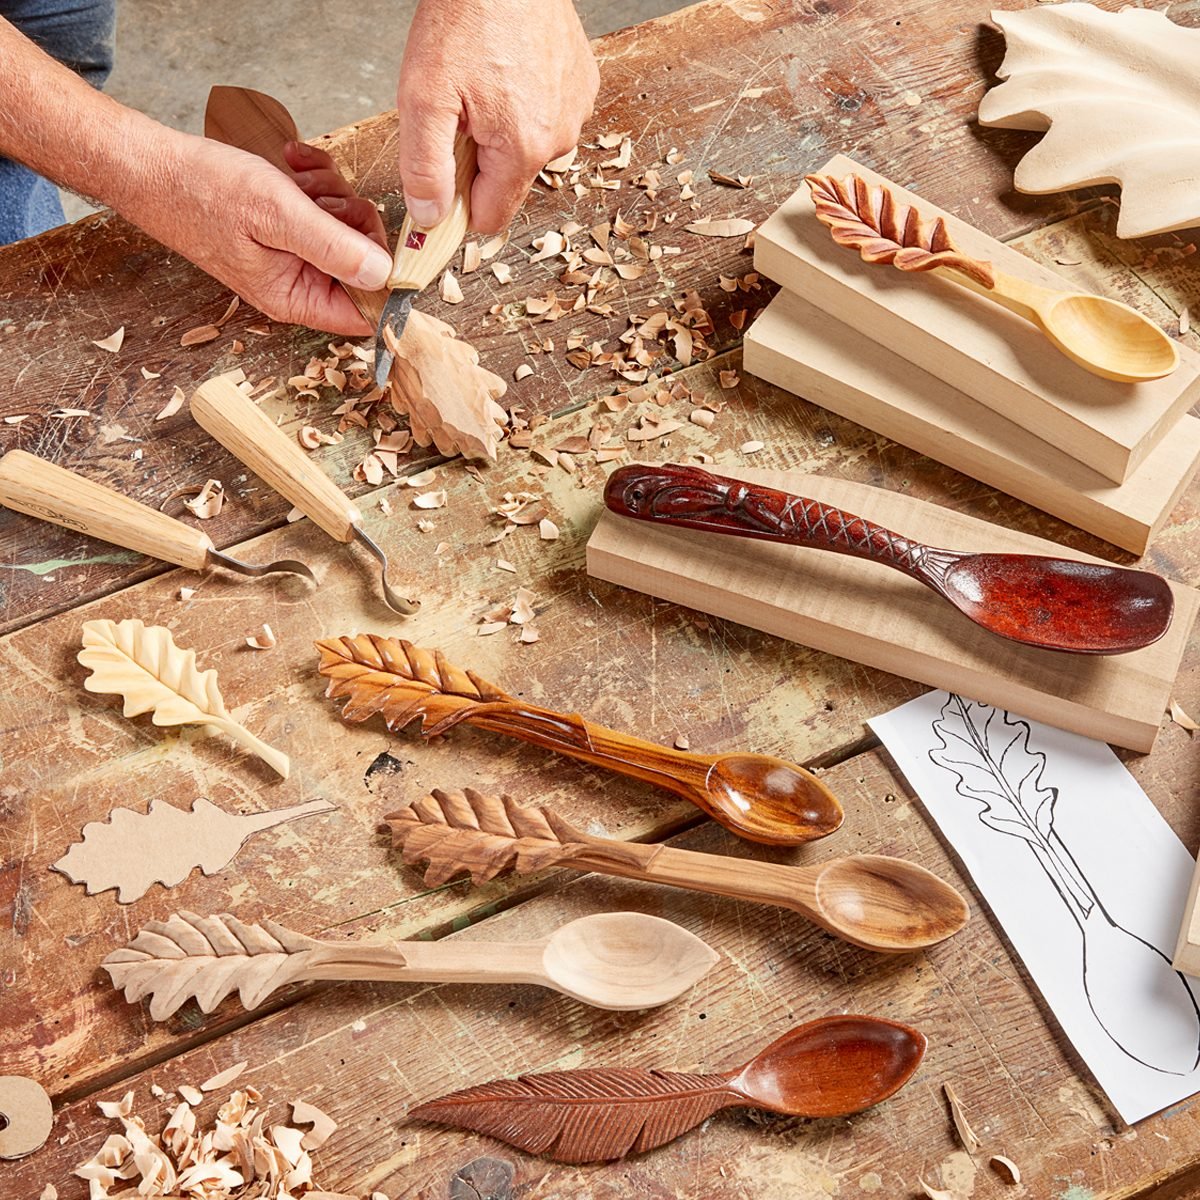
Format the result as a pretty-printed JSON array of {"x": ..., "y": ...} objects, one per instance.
[
  {"x": 827, "y": 1068},
  {"x": 1052, "y": 603}
]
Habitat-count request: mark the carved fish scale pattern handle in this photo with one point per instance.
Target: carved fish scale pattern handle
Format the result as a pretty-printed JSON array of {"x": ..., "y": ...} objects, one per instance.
[{"x": 827, "y": 528}]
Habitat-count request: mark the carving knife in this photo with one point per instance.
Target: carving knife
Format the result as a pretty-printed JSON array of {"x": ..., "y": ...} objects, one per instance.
[{"x": 421, "y": 254}]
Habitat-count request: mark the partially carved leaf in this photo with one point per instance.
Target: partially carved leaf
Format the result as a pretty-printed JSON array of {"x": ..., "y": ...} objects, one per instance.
[
  {"x": 592, "y": 1115},
  {"x": 868, "y": 219},
  {"x": 1119, "y": 94},
  {"x": 208, "y": 958},
  {"x": 143, "y": 664},
  {"x": 468, "y": 831},
  {"x": 402, "y": 682}
]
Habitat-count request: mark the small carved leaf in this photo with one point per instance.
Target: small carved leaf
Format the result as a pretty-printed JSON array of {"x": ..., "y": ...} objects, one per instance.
[
  {"x": 868, "y": 219},
  {"x": 206, "y": 957},
  {"x": 592, "y": 1115}
]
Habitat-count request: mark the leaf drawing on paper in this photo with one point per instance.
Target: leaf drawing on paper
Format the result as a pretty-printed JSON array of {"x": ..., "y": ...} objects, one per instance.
[
  {"x": 989, "y": 753},
  {"x": 589, "y": 1115},
  {"x": 142, "y": 664},
  {"x": 131, "y": 851}
]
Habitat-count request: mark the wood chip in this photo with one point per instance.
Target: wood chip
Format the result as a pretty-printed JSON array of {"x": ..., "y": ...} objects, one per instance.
[
  {"x": 493, "y": 246},
  {"x": 113, "y": 342},
  {"x": 200, "y": 335},
  {"x": 1005, "y": 1168},
  {"x": 752, "y": 447},
  {"x": 173, "y": 405},
  {"x": 186, "y": 593},
  {"x": 322, "y": 1124},
  {"x": 451, "y": 292},
  {"x": 528, "y": 634},
  {"x": 738, "y": 319},
  {"x": 522, "y": 372},
  {"x": 226, "y": 1077},
  {"x": 1184, "y": 321},
  {"x": 502, "y": 272},
  {"x": 192, "y": 1095},
  {"x": 148, "y": 374},
  {"x": 966, "y": 1135},
  {"x": 208, "y": 500},
  {"x": 421, "y": 479},
  {"x": 471, "y": 257},
  {"x": 229, "y": 311},
  {"x": 264, "y": 639},
  {"x": 721, "y": 227},
  {"x": 547, "y": 530},
  {"x": 430, "y": 499},
  {"x": 933, "y": 1193},
  {"x": 49, "y": 1192},
  {"x": 733, "y": 181},
  {"x": 682, "y": 743},
  {"x": 504, "y": 565},
  {"x": 703, "y": 417},
  {"x": 71, "y": 412},
  {"x": 522, "y": 609},
  {"x": 729, "y": 379},
  {"x": 1181, "y": 718},
  {"x": 16, "y": 418},
  {"x": 117, "y": 1108}
]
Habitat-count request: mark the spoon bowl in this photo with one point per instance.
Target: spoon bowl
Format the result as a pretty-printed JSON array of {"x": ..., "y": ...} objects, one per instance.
[
  {"x": 1057, "y": 604},
  {"x": 1108, "y": 338},
  {"x": 768, "y": 800},
  {"x": 625, "y": 960},
  {"x": 832, "y": 1067},
  {"x": 886, "y": 904}
]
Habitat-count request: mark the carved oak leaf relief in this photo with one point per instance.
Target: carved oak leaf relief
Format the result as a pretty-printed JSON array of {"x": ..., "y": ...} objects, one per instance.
[{"x": 1118, "y": 95}]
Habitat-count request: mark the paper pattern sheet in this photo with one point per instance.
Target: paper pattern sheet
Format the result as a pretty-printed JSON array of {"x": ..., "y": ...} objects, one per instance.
[{"x": 1084, "y": 875}]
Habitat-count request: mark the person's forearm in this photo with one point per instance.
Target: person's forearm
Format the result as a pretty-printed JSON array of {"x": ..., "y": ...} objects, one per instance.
[{"x": 62, "y": 128}]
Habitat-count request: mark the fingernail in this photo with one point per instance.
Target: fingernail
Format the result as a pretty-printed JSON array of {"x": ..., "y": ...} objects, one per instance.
[
  {"x": 302, "y": 178},
  {"x": 303, "y": 150},
  {"x": 424, "y": 212},
  {"x": 332, "y": 203},
  {"x": 373, "y": 271}
]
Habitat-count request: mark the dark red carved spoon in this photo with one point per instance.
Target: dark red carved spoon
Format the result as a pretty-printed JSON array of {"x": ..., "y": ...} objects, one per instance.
[{"x": 1052, "y": 603}]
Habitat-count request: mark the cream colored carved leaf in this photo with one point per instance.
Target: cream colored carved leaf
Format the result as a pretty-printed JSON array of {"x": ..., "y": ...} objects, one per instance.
[
  {"x": 142, "y": 664},
  {"x": 1119, "y": 94}
]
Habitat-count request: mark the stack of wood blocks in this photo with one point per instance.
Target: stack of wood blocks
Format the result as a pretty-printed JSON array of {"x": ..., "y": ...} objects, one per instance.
[{"x": 966, "y": 382}]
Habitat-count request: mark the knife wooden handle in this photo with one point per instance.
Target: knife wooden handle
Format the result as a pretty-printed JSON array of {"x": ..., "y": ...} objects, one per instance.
[
  {"x": 42, "y": 489},
  {"x": 422, "y": 253},
  {"x": 251, "y": 436}
]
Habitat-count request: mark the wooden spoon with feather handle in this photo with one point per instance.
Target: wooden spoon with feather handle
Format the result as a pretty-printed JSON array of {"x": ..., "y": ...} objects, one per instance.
[{"x": 757, "y": 796}]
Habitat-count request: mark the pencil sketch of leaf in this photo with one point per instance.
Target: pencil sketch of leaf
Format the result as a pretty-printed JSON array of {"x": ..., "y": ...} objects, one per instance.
[
  {"x": 142, "y": 664},
  {"x": 590, "y": 1115},
  {"x": 989, "y": 752}
]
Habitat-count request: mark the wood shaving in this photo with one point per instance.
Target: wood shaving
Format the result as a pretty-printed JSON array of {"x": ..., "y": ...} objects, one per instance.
[
  {"x": 703, "y": 417},
  {"x": 49, "y": 1192},
  {"x": 649, "y": 429},
  {"x": 738, "y": 319},
  {"x": 752, "y": 447},
  {"x": 186, "y": 593},
  {"x": 263, "y": 640},
  {"x": 522, "y": 372},
  {"x": 425, "y": 525},
  {"x": 733, "y": 181},
  {"x": 487, "y": 628},
  {"x": 503, "y": 564},
  {"x": 192, "y": 1095},
  {"x": 451, "y": 292},
  {"x": 547, "y": 530},
  {"x": 682, "y": 743},
  {"x": 966, "y": 1135},
  {"x": 421, "y": 479},
  {"x": 729, "y": 379},
  {"x": 229, "y": 311},
  {"x": 493, "y": 246},
  {"x": 112, "y": 343},
  {"x": 720, "y": 227},
  {"x": 207, "y": 501},
  {"x": 563, "y": 163},
  {"x": 1005, "y": 1168},
  {"x": 430, "y": 499},
  {"x": 309, "y": 436},
  {"x": 117, "y": 1108},
  {"x": 173, "y": 405},
  {"x": 200, "y": 335},
  {"x": 1184, "y": 322},
  {"x": 471, "y": 258},
  {"x": 528, "y": 634},
  {"x": 223, "y": 1079},
  {"x": 16, "y": 419},
  {"x": 148, "y": 374},
  {"x": 502, "y": 272},
  {"x": 71, "y": 412},
  {"x": 933, "y": 1193},
  {"x": 1181, "y": 718}
]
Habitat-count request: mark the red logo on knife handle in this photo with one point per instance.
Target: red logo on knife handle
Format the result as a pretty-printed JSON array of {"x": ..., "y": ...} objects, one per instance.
[{"x": 415, "y": 240}]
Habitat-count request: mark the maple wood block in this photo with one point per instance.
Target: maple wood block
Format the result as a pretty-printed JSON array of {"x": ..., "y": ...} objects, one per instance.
[
  {"x": 967, "y": 341},
  {"x": 869, "y": 614},
  {"x": 796, "y": 346}
]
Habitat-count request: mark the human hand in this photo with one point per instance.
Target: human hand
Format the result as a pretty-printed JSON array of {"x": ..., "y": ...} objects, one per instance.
[
  {"x": 282, "y": 243},
  {"x": 519, "y": 76}
]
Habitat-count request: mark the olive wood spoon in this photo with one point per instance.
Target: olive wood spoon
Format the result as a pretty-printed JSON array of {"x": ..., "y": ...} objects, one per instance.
[
  {"x": 831, "y": 1067},
  {"x": 869, "y": 900},
  {"x": 1051, "y": 603},
  {"x": 759, "y": 797},
  {"x": 622, "y": 960}
]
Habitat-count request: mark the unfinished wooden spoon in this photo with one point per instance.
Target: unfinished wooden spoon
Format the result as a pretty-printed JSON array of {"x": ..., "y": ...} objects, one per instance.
[
  {"x": 609, "y": 960},
  {"x": 1052, "y": 603},
  {"x": 869, "y": 900},
  {"x": 759, "y": 797},
  {"x": 1103, "y": 336},
  {"x": 831, "y": 1067}
]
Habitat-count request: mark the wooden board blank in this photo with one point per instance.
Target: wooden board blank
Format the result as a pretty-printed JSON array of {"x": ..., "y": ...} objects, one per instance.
[
  {"x": 874, "y": 615},
  {"x": 994, "y": 356},
  {"x": 796, "y": 346}
]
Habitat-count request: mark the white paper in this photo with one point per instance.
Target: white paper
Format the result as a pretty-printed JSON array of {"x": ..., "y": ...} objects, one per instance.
[{"x": 1086, "y": 878}]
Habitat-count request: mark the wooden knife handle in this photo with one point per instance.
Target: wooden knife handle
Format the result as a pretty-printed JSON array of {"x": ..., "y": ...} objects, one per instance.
[
  {"x": 42, "y": 489},
  {"x": 422, "y": 253},
  {"x": 696, "y": 499},
  {"x": 251, "y": 436}
]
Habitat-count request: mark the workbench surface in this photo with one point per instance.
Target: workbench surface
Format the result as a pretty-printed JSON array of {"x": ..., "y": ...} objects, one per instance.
[{"x": 757, "y": 87}]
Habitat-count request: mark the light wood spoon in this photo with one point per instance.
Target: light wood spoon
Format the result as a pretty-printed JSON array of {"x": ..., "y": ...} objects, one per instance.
[
  {"x": 621, "y": 960},
  {"x": 869, "y": 900}
]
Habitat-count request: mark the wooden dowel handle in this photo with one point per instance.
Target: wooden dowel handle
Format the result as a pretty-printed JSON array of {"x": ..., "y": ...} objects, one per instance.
[
  {"x": 251, "y": 436},
  {"x": 42, "y": 489},
  {"x": 422, "y": 253}
]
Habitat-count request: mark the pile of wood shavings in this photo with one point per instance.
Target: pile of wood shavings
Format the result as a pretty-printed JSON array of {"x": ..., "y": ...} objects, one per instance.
[{"x": 238, "y": 1158}]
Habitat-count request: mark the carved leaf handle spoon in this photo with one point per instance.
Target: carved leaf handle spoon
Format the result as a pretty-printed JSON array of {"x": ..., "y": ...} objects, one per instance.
[{"x": 1052, "y": 603}]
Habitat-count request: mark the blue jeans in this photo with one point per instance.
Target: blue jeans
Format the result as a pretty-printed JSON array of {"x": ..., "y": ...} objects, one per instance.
[{"x": 79, "y": 33}]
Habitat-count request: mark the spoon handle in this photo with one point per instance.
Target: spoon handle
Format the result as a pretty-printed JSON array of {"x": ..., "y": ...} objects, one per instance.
[
  {"x": 1028, "y": 300},
  {"x": 427, "y": 962}
]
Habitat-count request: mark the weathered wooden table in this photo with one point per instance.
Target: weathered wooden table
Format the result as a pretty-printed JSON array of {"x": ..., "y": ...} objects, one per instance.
[{"x": 760, "y": 87}]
